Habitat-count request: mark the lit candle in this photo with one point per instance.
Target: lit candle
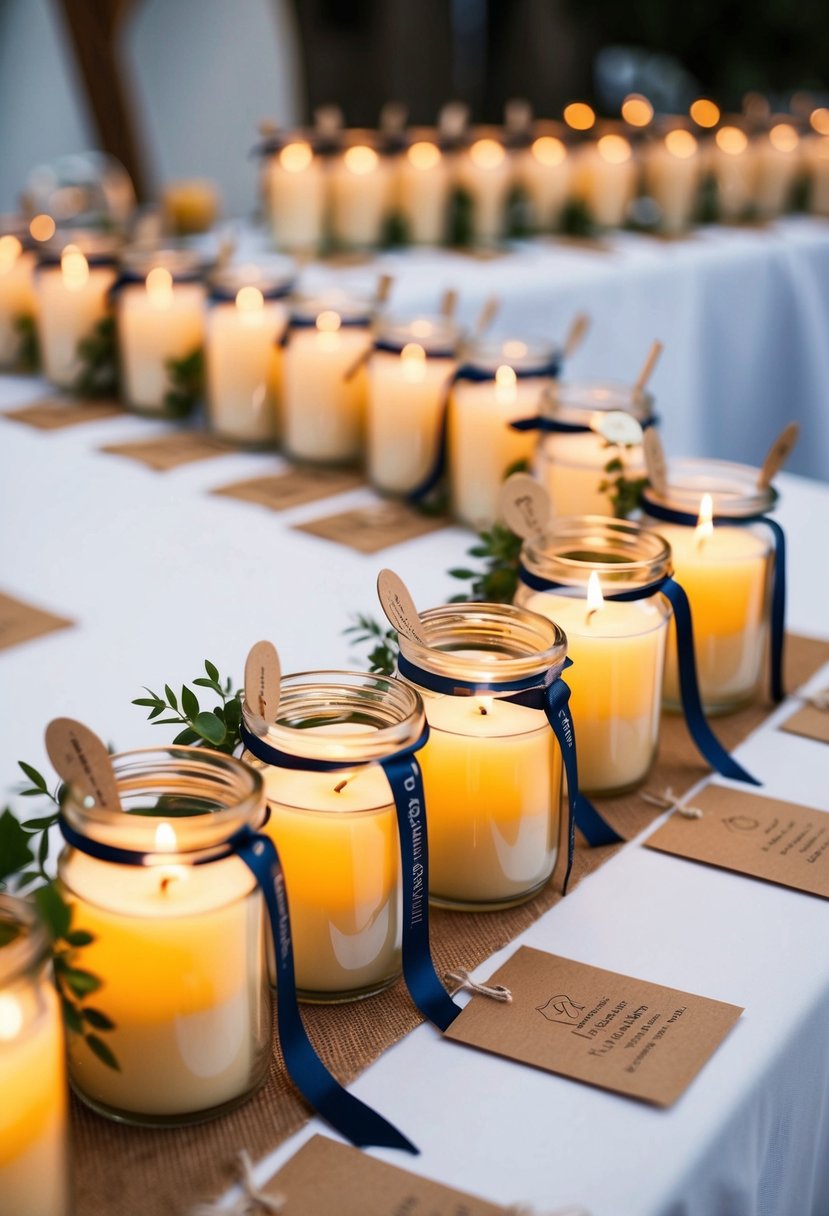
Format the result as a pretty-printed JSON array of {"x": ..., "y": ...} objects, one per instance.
[
  {"x": 33, "y": 1112},
  {"x": 18, "y": 301},
  {"x": 545, "y": 170},
  {"x": 673, "y": 169},
  {"x": 323, "y": 409},
  {"x": 408, "y": 382},
  {"x": 778, "y": 157},
  {"x": 361, "y": 184},
  {"x": 484, "y": 170},
  {"x": 735, "y": 171},
  {"x": 72, "y": 298},
  {"x": 606, "y": 179},
  {"x": 423, "y": 187},
  {"x": 295, "y": 189},
  {"x": 816, "y": 154}
]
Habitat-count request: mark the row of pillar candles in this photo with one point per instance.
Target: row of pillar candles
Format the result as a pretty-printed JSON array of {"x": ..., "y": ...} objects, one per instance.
[{"x": 180, "y": 946}]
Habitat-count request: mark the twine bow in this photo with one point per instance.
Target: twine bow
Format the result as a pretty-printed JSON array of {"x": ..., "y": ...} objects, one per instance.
[
  {"x": 465, "y": 983},
  {"x": 668, "y": 801},
  {"x": 251, "y": 1202}
]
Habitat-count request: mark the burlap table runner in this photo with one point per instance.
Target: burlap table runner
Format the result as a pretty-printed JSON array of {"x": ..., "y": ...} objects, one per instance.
[{"x": 122, "y": 1171}]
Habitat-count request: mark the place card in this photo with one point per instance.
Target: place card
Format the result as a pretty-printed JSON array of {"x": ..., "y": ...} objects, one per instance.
[
  {"x": 20, "y": 622},
  {"x": 169, "y": 451},
  {"x": 810, "y": 722},
  {"x": 781, "y": 842},
  {"x": 54, "y": 413},
  {"x": 299, "y": 485},
  {"x": 623, "y": 1034},
  {"x": 325, "y": 1177},
  {"x": 370, "y": 529}
]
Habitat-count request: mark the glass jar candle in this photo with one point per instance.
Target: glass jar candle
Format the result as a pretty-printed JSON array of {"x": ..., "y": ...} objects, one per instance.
[
  {"x": 605, "y": 177},
  {"x": 179, "y": 938},
  {"x": 484, "y": 171},
  {"x": 673, "y": 173},
  {"x": 779, "y": 158},
  {"x": 409, "y": 375},
  {"x": 294, "y": 177},
  {"x": 336, "y": 831},
  {"x": 18, "y": 302},
  {"x": 323, "y": 405},
  {"x": 491, "y": 768},
  {"x": 498, "y": 383},
  {"x": 33, "y": 1113},
  {"x": 545, "y": 171},
  {"x": 726, "y": 571},
  {"x": 360, "y": 191},
  {"x": 423, "y": 187},
  {"x": 580, "y": 469},
  {"x": 245, "y": 322},
  {"x": 734, "y": 168},
  {"x": 618, "y": 649},
  {"x": 72, "y": 284}
]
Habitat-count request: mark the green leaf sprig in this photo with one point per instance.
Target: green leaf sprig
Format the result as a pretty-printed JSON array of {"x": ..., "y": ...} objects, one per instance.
[
  {"x": 186, "y": 383},
  {"x": 497, "y": 582},
  {"x": 217, "y": 728},
  {"x": 97, "y": 355},
  {"x": 625, "y": 493},
  {"x": 382, "y": 656},
  {"x": 28, "y": 345}
]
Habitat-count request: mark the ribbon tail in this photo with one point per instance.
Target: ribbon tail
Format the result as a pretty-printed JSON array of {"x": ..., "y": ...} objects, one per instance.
[
  {"x": 706, "y": 741},
  {"x": 778, "y": 612},
  {"x": 528, "y": 424},
  {"x": 428, "y": 993},
  {"x": 425, "y": 487},
  {"x": 349, "y": 1116}
]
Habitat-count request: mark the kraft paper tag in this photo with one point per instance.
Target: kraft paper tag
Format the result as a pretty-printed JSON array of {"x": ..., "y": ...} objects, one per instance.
[
  {"x": 263, "y": 680},
  {"x": 20, "y": 622},
  {"x": 370, "y": 529},
  {"x": 169, "y": 451},
  {"x": 399, "y": 607},
  {"x": 655, "y": 463},
  {"x": 780, "y": 842},
  {"x": 292, "y": 489},
  {"x": 54, "y": 413},
  {"x": 525, "y": 505},
  {"x": 325, "y": 1177},
  {"x": 810, "y": 722},
  {"x": 623, "y": 1034},
  {"x": 80, "y": 759}
]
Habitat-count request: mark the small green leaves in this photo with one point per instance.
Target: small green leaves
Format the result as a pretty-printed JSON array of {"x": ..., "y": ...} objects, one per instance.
[
  {"x": 97, "y": 1019},
  {"x": 37, "y": 779},
  {"x": 217, "y": 728},
  {"x": 28, "y": 348},
  {"x": 97, "y": 357},
  {"x": 80, "y": 983},
  {"x": 382, "y": 657},
  {"x": 100, "y": 1049},
  {"x": 14, "y": 846},
  {"x": 496, "y": 583},
  {"x": 54, "y": 911},
  {"x": 186, "y": 383},
  {"x": 210, "y": 727}
]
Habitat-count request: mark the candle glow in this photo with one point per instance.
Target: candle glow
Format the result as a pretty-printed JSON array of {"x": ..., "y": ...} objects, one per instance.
[
  {"x": 74, "y": 268},
  {"x": 423, "y": 155},
  {"x": 783, "y": 137},
  {"x": 819, "y": 120},
  {"x": 42, "y": 228},
  {"x": 294, "y": 158},
  {"x": 548, "y": 150},
  {"x": 731, "y": 140},
  {"x": 360, "y": 159},
  {"x": 579, "y": 116},
  {"x": 595, "y": 599},
  {"x": 159, "y": 286},
  {"x": 705, "y": 521},
  {"x": 705, "y": 113},
  {"x": 614, "y": 149},
  {"x": 486, "y": 153},
  {"x": 680, "y": 143},
  {"x": 413, "y": 361},
  {"x": 637, "y": 110}
]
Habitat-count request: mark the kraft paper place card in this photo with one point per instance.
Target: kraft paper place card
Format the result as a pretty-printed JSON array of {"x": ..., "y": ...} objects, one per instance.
[
  {"x": 326, "y": 1177},
  {"x": 292, "y": 489},
  {"x": 54, "y": 413},
  {"x": 623, "y": 1034},
  {"x": 370, "y": 529},
  {"x": 780, "y": 842},
  {"x": 169, "y": 451},
  {"x": 20, "y": 622},
  {"x": 810, "y": 722}
]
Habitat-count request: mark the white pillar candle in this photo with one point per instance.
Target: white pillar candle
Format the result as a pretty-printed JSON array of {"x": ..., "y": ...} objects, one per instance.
[
  {"x": 159, "y": 320},
  {"x": 735, "y": 171},
  {"x": 779, "y": 159},
  {"x": 424, "y": 183},
  {"x": 408, "y": 388},
  {"x": 816, "y": 155},
  {"x": 673, "y": 169},
  {"x": 545, "y": 170},
  {"x": 295, "y": 188},
  {"x": 17, "y": 295},
  {"x": 485, "y": 171},
  {"x": 361, "y": 185},
  {"x": 72, "y": 298},
  {"x": 606, "y": 179},
  {"x": 323, "y": 412},
  {"x": 482, "y": 445}
]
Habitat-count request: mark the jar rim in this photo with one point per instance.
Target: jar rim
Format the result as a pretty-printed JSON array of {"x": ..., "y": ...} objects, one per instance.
[
  {"x": 578, "y": 400},
  {"x": 572, "y": 547},
  {"x": 30, "y": 948},
  {"x": 523, "y": 354},
  {"x": 732, "y": 486},
  {"x": 181, "y": 263},
  {"x": 276, "y": 276},
  {"x": 429, "y": 330},
  {"x": 308, "y": 306}
]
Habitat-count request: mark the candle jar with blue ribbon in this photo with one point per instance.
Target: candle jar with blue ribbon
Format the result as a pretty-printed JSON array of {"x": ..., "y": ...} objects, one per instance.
[
  {"x": 333, "y": 820},
  {"x": 361, "y": 179},
  {"x": 324, "y": 383},
  {"x": 581, "y": 468},
  {"x": 246, "y": 319},
  {"x": 497, "y": 383},
  {"x": 33, "y": 1113},
  {"x": 492, "y": 766},
  {"x": 179, "y": 936},
  {"x": 730, "y": 559},
  {"x": 74, "y": 277},
  {"x": 409, "y": 376},
  {"x": 617, "y": 648}
]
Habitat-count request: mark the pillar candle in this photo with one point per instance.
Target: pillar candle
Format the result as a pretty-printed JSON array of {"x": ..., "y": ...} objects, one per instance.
[
  {"x": 484, "y": 170},
  {"x": 295, "y": 179},
  {"x": 361, "y": 185},
  {"x": 545, "y": 170},
  {"x": 72, "y": 298},
  {"x": 158, "y": 320},
  {"x": 778, "y": 159},
  {"x": 673, "y": 169},
  {"x": 17, "y": 295},
  {"x": 735, "y": 172},
  {"x": 423, "y": 187},
  {"x": 606, "y": 179}
]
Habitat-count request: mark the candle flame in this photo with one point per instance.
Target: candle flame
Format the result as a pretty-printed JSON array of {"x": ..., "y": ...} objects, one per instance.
[
  {"x": 819, "y": 119},
  {"x": 595, "y": 599},
  {"x": 160, "y": 287},
  {"x": 250, "y": 300},
  {"x": 329, "y": 322},
  {"x": 731, "y": 140},
  {"x": 681, "y": 144},
  {"x": 360, "y": 159},
  {"x": 11, "y": 1017},
  {"x": 505, "y": 381},
  {"x": 423, "y": 155},
  {"x": 42, "y": 227},
  {"x": 705, "y": 522},
  {"x": 74, "y": 268},
  {"x": 486, "y": 153},
  {"x": 579, "y": 115},
  {"x": 413, "y": 360},
  {"x": 705, "y": 113},
  {"x": 614, "y": 149},
  {"x": 637, "y": 110},
  {"x": 165, "y": 838},
  {"x": 10, "y": 251},
  {"x": 296, "y": 157},
  {"x": 783, "y": 137},
  {"x": 548, "y": 150}
]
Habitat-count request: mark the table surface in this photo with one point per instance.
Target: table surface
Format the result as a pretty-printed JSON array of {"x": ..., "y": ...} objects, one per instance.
[{"x": 159, "y": 575}]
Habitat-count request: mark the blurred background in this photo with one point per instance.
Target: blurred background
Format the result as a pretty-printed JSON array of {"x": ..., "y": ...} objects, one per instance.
[{"x": 177, "y": 88}]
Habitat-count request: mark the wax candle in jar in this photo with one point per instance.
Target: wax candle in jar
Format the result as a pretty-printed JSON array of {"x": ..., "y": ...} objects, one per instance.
[
  {"x": 618, "y": 649},
  {"x": 725, "y": 570},
  {"x": 498, "y": 382},
  {"x": 484, "y": 170},
  {"x": 361, "y": 191},
  {"x": 34, "y": 1177},
  {"x": 673, "y": 171},
  {"x": 179, "y": 938},
  {"x": 160, "y": 313},
  {"x": 816, "y": 156},
  {"x": 324, "y": 385},
  {"x": 779, "y": 160},
  {"x": 409, "y": 375},
  {"x": 573, "y": 464},
  {"x": 491, "y": 768},
  {"x": 72, "y": 286},
  {"x": 18, "y": 302},
  {"x": 734, "y": 168},
  {"x": 295, "y": 177},
  {"x": 245, "y": 322},
  {"x": 545, "y": 171},
  {"x": 605, "y": 178},
  {"x": 336, "y": 831},
  {"x": 423, "y": 188}
]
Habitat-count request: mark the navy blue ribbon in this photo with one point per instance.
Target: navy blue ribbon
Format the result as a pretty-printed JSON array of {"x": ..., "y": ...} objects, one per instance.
[
  {"x": 310, "y": 323},
  {"x": 129, "y": 278},
  {"x": 474, "y": 375},
  {"x": 346, "y": 1114},
  {"x": 540, "y": 422},
  {"x": 220, "y": 294},
  {"x": 406, "y": 781},
  {"x": 707, "y": 743},
  {"x": 552, "y": 696},
  {"x": 778, "y": 583},
  {"x": 387, "y": 347}
]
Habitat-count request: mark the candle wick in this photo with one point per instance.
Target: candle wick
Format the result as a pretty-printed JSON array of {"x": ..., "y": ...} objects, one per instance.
[
  {"x": 591, "y": 612},
  {"x": 339, "y": 788},
  {"x": 482, "y": 709},
  {"x": 165, "y": 882}
]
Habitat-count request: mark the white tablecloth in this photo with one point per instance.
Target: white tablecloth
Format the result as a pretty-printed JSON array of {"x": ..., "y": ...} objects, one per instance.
[{"x": 159, "y": 576}]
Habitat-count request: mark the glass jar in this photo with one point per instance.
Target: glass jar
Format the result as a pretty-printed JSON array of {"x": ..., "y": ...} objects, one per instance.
[
  {"x": 336, "y": 832},
  {"x": 18, "y": 302},
  {"x": 580, "y": 469},
  {"x": 484, "y": 171},
  {"x": 33, "y": 1113},
  {"x": 74, "y": 276},
  {"x": 360, "y": 190},
  {"x": 409, "y": 374},
  {"x": 179, "y": 939},
  {"x": 246, "y": 319},
  {"x": 544, "y": 170},
  {"x": 324, "y": 384},
  {"x": 424, "y": 186},
  {"x": 726, "y": 572},
  {"x": 294, "y": 177},
  {"x": 618, "y": 649},
  {"x": 491, "y": 768},
  {"x": 498, "y": 383}
]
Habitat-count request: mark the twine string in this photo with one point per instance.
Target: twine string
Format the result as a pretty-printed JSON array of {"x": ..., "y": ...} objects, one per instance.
[
  {"x": 464, "y": 983},
  {"x": 251, "y": 1202},
  {"x": 668, "y": 801}
]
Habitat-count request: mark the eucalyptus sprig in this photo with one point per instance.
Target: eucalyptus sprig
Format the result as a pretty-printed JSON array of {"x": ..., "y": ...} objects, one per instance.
[
  {"x": 97, "y": 355},
  {"x": 625, "y": 493},
  {"x": 217, "y": 728},
  {"x": 382, "y": 657},
  {"x": 186, "y": 383},
  {"x": 496, "y": 583},
  {"x": 28, "y": 345}
]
